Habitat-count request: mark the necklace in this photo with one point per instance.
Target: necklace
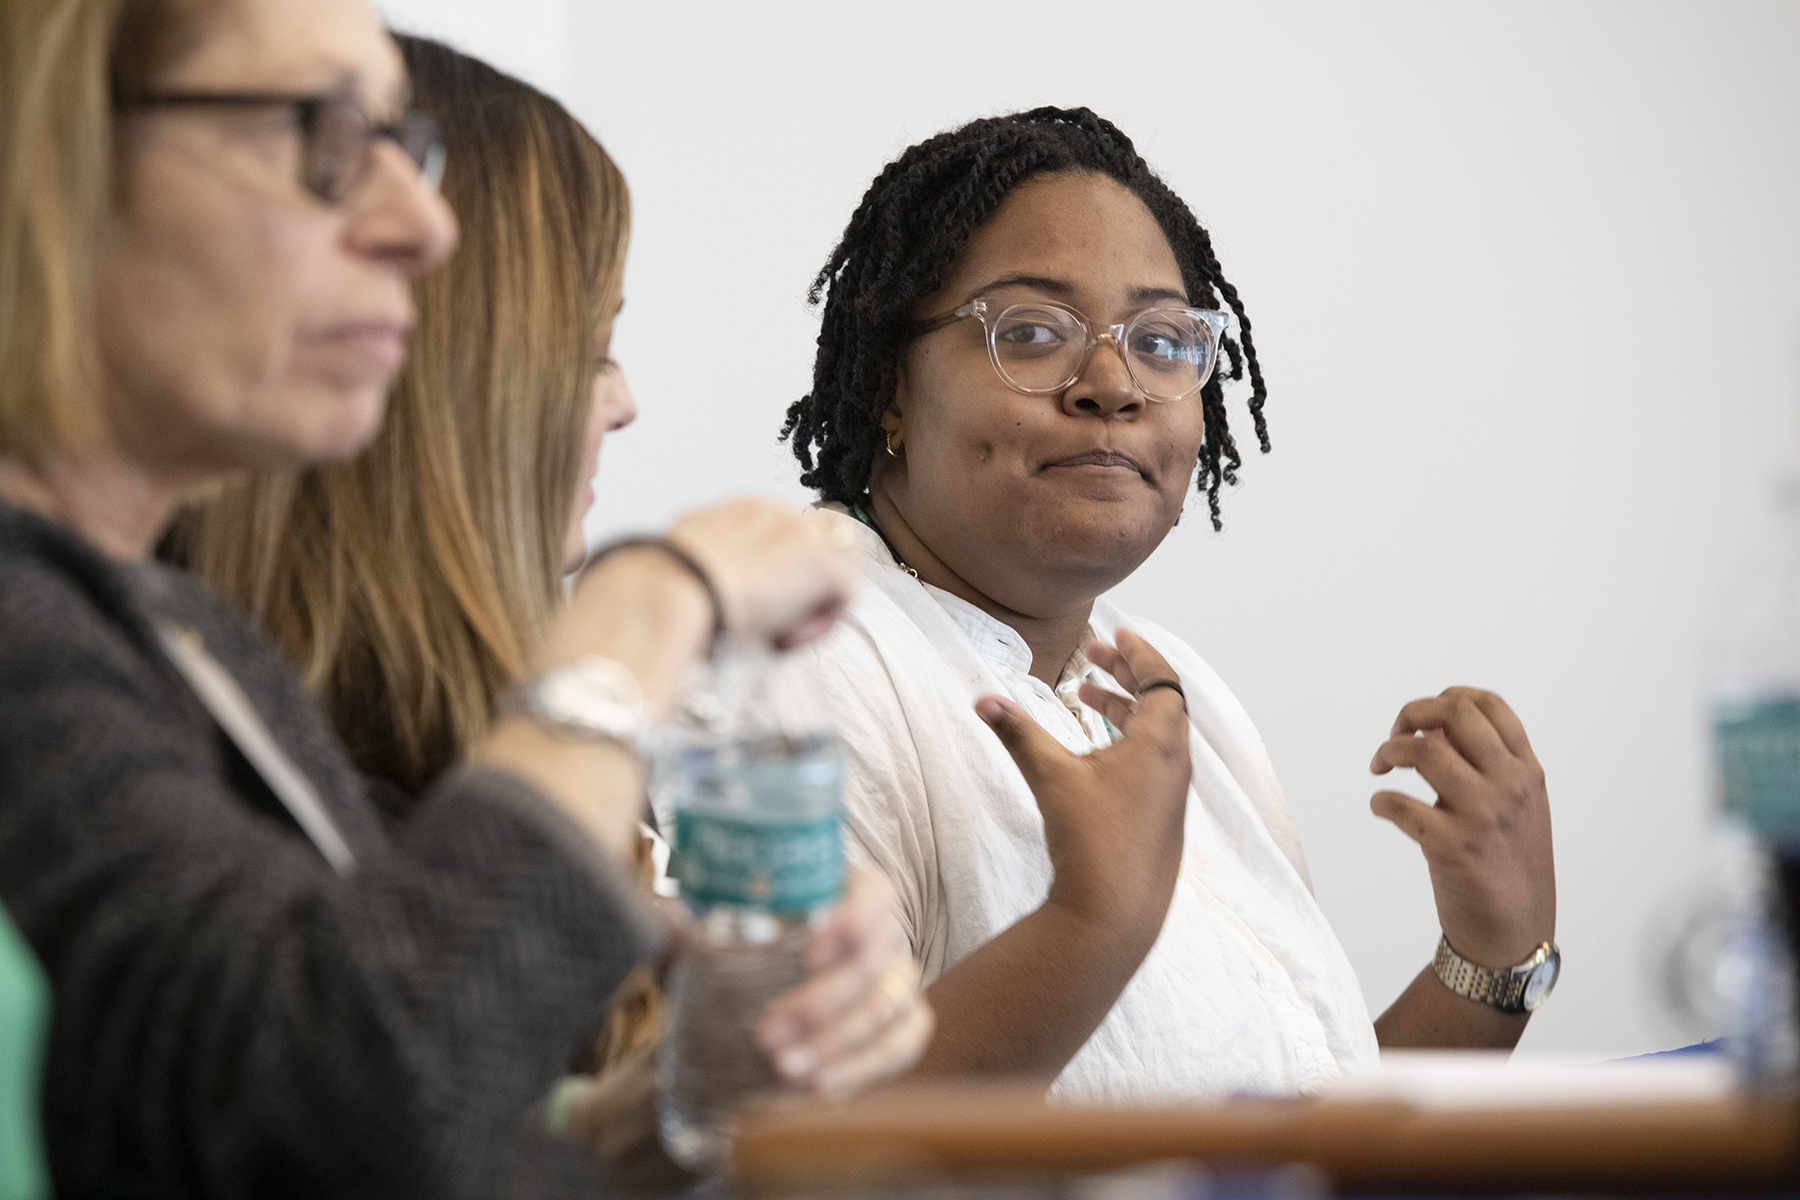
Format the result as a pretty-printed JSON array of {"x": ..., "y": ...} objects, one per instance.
[{"x": 861, "y": 512}]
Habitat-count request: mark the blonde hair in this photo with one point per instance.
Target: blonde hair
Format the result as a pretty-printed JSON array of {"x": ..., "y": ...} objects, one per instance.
[
  {"x": 61, "y": 62},
  {"x": 410, "y": 585}
]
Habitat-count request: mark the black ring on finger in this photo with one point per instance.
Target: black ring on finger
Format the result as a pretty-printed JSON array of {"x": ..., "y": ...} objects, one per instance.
[{"x": 1171, "y": 684}]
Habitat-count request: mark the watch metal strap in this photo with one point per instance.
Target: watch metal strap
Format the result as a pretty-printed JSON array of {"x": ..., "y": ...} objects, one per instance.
[
  {"x": 1504, "y": 990},
  {"x": 540, "y": 698}
]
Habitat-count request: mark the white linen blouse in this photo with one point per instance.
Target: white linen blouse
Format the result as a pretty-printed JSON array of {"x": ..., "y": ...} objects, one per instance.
[{"x": 1246, "y": 988}]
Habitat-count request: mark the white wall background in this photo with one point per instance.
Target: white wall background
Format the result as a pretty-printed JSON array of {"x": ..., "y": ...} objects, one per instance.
[{"x": 1525, "y": 279}]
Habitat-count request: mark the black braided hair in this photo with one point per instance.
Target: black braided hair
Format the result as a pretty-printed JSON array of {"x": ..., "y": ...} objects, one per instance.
[{"x": 905, "y": 238}]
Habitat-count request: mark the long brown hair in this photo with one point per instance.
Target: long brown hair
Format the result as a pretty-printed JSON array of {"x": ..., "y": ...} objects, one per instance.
[{"x": 410, "y": 585}]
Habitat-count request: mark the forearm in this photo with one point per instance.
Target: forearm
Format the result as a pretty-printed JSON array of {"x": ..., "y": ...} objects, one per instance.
[
  {"x": 1025, "y": 1002},
  {"x": 641, "y": 610},
  {"x": 599, "y": 785},
  {"x": 1429, "y": 1016}
]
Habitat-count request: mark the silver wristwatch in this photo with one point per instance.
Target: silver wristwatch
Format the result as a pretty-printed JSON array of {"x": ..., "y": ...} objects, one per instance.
[
  {"x": 1519, "y": 989},
  {"x": 592, "y": 699}
]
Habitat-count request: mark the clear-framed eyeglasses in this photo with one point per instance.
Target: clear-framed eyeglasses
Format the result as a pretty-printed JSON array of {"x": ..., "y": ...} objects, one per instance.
[{"x": 1041, "y": 346}]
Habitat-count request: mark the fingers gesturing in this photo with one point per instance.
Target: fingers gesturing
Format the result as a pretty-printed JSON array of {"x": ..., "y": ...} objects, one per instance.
[
  {"x": 1487, "y": 838},
  {"x": 1113, "y": 818}
]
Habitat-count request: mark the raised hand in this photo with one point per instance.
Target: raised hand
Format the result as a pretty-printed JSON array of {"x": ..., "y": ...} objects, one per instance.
[
  {"x": 783, "y": 576},
  {"x": 1113, "y": 821},
  {"x": 1487, "y": 839}
]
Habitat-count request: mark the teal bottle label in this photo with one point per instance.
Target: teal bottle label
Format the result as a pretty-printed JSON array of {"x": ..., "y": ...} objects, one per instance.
[
  {"x": 770, "y": 865},
  {"x": 1758, "y": 748}
]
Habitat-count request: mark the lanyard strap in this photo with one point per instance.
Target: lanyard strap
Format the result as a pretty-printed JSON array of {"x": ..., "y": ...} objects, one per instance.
[{"x": 220, "y": 693}]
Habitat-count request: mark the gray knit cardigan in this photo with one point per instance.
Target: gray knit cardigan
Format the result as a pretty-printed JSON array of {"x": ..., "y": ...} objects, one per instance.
[{"x": 232, "y": 1017}]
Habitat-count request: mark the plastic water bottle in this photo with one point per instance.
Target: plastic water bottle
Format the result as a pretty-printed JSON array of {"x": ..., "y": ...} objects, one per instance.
[
  {"x": 753, "y": 779},
  {"x": 1754, "y": 701},
  {"x": 1756, "y": 684}
]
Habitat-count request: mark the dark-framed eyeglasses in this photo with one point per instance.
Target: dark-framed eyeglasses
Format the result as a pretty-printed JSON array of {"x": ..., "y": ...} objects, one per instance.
[
  {"x": 337, "y": 137},
  {"x": 1041, "y": 346}
]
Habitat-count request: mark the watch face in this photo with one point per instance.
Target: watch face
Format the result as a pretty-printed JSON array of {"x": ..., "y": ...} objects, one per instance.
[
  {"x": 1543, "y": 978},
  {"x": 592, "y": 695},
  {"x": 578, "y": 692}
]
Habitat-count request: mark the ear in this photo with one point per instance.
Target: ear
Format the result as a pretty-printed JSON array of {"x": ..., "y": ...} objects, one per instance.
[
  {"x": 892, "y": 435},
  {"x": 898, "y": 399},
  {"x": 892, "y": 417}
]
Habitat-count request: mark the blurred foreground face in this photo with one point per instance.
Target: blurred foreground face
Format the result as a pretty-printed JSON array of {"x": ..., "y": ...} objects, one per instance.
[{"x": 243, "y": 321}]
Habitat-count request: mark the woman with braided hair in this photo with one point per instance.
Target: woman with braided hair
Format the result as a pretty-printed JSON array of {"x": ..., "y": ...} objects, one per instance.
[{"x": 1015, "y": 382}]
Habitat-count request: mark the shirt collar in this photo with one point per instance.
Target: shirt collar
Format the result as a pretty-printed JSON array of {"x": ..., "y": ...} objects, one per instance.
[
  {"x": 1077, "y": 668},
  {"x": 993, "y": 638},
  {"x": 1001, "y": 644}
]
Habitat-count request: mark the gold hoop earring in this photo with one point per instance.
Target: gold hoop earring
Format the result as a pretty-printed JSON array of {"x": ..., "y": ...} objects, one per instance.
[{"x": 890, "y": 444}]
